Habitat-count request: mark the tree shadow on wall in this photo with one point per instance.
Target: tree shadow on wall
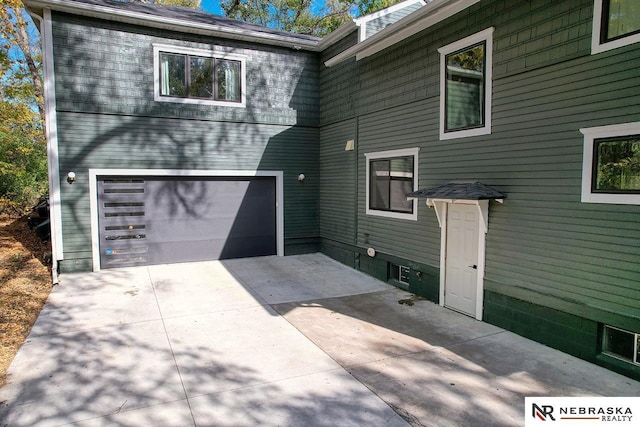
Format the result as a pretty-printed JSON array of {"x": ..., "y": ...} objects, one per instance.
[{"x": 107, "y": 122}]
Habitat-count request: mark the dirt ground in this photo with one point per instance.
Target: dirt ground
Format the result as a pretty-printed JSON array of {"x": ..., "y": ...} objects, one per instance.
[{"x": 25, "y": 283}]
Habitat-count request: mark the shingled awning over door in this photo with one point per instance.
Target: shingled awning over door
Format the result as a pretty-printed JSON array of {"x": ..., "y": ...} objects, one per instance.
[{"x": 459, "y": 190}]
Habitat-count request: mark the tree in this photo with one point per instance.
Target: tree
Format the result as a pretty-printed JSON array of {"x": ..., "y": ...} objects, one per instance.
[
  {"x": 300, "y": 16},
  {"x": 186, "y": 3},
  {"x": 21, "y": 72},
  {"x": 23, "y": 169},
  {"x": 369, "y": 6}
]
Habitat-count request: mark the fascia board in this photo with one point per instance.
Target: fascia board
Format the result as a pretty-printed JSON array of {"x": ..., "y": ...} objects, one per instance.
[
  {"x": 421, "y": 19},
  {"x": 179, "y": 25},
  {"x": 442, "y": 13},
  {"x": 395, "y": 7},
  {"x": 337, "y": 35}
]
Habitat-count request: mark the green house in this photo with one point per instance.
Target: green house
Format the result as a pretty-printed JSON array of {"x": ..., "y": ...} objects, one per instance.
[{"x": 484, "y": 154}]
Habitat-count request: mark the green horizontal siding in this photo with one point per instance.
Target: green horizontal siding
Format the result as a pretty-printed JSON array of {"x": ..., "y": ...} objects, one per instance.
[
  {"x": 395, "y": 129},
  {"x": 108, "y": 141},
  {"x": 543, "y": 245},
  {"x": 338, "y": 182},
  {"x": 107, "y": 67},
  {"x": 338, "y": 84},
  {"x": 528, "y": 35}
]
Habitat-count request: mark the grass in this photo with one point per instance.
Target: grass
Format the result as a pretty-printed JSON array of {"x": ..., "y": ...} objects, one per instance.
[{"x": 25, "y": 283}]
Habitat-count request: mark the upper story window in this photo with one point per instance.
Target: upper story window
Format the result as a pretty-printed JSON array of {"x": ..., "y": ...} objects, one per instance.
[
  {"x": 198, "y": 76},
  {"x": 465, "y": 86},
  {"x": 611, "y": 164},
  {"x": 390, "y": 176},
  {"x": 616, "y": 23}
]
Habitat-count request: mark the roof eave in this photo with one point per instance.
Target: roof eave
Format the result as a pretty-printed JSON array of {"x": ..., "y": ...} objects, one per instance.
[
  {"x": 393, "y": 8},
  {"x": 419, "y": 20},
  {"x": 338, "y": 34},
  {"x": 180, "y": 25}
]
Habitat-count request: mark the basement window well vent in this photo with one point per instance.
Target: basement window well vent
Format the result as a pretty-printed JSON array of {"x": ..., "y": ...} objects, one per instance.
[
  {"x": 399, "y": 273},
  {"x": 621, "y": 344}
]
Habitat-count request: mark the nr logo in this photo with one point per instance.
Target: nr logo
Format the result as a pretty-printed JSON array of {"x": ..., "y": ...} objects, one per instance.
[{"x": 543, "y": 412}]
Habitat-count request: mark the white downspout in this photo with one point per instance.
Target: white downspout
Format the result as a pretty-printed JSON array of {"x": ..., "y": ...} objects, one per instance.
[{"x": 51, "y": 135}]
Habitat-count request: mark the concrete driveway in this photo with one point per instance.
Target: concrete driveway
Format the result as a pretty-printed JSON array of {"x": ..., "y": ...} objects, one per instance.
[{"x": 275, "y": 341}]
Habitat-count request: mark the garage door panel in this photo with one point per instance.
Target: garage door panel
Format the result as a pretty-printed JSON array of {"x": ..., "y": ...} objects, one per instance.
[
  {"x": 152, "y": 220},
  {"x": 204, "y": 230}
]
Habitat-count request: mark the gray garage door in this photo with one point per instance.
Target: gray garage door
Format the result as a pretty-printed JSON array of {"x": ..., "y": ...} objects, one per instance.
[{"x": 157, "y": 220}]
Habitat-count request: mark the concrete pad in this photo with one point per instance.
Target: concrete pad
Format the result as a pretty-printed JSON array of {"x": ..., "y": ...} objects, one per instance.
[
  {"x": 173, "y": 414},
  {"x": 64, "y": 378},
  {"x": 484, "y": 382},
  {"x": 359, "y": 329},
  {"x": 195, "y": 288},
  {"x": 301, "y": 278},
  {"x": 438, "y": 367},
  {"x": 332, "y": 398},
  {"x": 438, "y": 388},
  {"x": 229, "y": 350},
  {"x": 85, "y": 301},
  {"x": 187, "y": 343}
]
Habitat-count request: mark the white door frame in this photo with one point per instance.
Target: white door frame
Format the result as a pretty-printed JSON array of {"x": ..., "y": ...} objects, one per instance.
[
  {"x": 93, "y": 196},
  {"x": 441, "y": 207}
]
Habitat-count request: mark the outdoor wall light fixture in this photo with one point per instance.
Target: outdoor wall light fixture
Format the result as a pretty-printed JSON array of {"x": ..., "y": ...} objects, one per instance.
[
  {"x": 301, "y": 177},
  {"x": 71, "y": 177}
]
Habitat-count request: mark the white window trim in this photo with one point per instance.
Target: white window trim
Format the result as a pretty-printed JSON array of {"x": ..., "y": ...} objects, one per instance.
[
  {"x": 591, "y": 134},
  {"x": 596, "y": 46},
  {"x": 390, "y": 154},
  {"x": 482, "y": 36},
  {"x": 93, "y": 196},
  {"x": 157, "y": 48}
]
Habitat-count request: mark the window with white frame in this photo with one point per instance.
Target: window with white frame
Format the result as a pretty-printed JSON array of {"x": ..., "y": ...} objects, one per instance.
[
  {"x": 621, "y": 344},
  {"x": 390, "y": 176},
  {"x": 616, "y": 23},
  {"x": 465, "y": 86},
  {"x": 198, "y": 76},
  {"x": 611, "y": 164}
]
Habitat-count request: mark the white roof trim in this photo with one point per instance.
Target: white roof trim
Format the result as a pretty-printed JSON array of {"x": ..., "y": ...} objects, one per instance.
[
  {"x": 423, "y": 18},
  {"x": 395, "y": 7},
  {"x": 115, "y": 14},
  {"x": 337, "y": 34}
]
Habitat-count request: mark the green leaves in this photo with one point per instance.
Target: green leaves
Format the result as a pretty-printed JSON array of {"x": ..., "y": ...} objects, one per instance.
[
  {"x": 300, "y": 16},
  {"x": 23, "y": 162}
]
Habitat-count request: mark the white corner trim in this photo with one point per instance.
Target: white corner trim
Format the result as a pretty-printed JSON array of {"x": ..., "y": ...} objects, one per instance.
[
  {"x": 483, "y": 207},
  {"x": 590, "y": 135},
  {"x": 337, "y": 35},
  {"x": 389, "y": 154},
  {"x": 362, "y": 21},
  {"x": 486, "y": 36},
  {"x": 209, "y": 53},
  {"x": 444, "y": 212},
  {"x": 51, "y": 135},
  {"x": 596, "y": 46},
  {"x": 383, "y": 12},
  {"x": 93, "y": 196},
  {"x": 423, "y": 18}
]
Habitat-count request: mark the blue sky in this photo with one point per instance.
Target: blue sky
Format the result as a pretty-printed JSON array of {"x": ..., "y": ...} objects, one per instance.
[{"x": 212, "y": 6}]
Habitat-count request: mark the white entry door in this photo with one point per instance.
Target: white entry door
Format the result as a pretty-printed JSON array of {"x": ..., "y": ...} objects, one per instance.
[{"x": 461, "y": 261}]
